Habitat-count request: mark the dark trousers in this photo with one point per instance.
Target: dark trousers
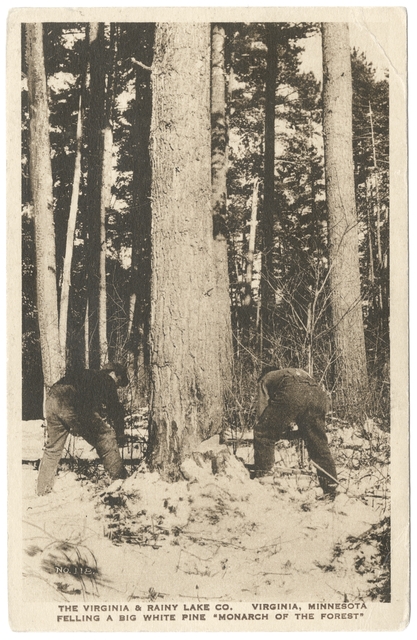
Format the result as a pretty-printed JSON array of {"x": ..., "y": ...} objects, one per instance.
[
  {"x": 305, "y": 404},
  {"x": 63, "y": 419}
]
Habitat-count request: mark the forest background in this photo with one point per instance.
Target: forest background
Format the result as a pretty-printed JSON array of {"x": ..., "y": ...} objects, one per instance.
[{"x": 287, "y": 291}]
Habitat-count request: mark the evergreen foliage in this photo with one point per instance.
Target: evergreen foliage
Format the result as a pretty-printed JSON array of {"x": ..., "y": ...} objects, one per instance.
[{"x": 300, "y": 329}]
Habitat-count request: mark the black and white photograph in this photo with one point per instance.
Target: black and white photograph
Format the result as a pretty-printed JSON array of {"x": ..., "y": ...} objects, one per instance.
[{"x": 207, "y": 318}]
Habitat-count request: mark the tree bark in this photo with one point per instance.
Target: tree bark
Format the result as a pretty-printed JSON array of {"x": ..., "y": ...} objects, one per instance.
[
  {"x": 350, "y": 366},
  {"x": 41, "y": 183},
  {"x": 186, "y": 402},
  {"x": 219, "y": 199}
]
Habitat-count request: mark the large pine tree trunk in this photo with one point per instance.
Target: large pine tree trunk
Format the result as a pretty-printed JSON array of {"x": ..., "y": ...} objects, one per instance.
[
  {"x": 41, "y": 183},
  {"x": 219, "y": 196},
  {"x": 350, "y": 366},
  {"x": 186, "y": 404}
]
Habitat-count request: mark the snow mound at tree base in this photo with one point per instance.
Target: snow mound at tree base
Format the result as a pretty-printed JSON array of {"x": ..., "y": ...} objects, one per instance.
[{"x": 216, "y": 534}]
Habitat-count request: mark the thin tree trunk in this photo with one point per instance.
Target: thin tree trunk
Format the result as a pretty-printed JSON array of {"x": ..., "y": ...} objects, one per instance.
[
  {"x": 138, "y": 330},
  {"x": 309, "y": 337},
  {"x": 86, "y": 338},
  {"x": 72, "y": 219},
  {"x": 368, "y": 201},
  {"x": 247, "y": 302},
  {"x": 251, "y": 245},
  {"x": 42, "y": 194},
  {"x": 219, "y": 194},
  {"x": 186, "y": 404},
  {"x": 96, "y": 125},
  {"x": 105, "y": 197},
  {"x": 377, "y": 199},
  {"x": 268, "y": 218},
  {"x": 218, "y": 126},
  {"x": 351, "y": 375},
  {"x": 106, "y": 184}
]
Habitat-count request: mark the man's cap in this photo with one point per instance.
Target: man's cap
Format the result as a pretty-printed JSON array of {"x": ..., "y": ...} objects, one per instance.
[{"x": 120, "y": 371}]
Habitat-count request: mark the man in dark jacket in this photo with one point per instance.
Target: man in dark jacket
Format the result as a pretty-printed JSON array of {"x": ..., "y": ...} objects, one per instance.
[
  {"x": 289, "y": 396},
  {"x": 85, "y": 404}
]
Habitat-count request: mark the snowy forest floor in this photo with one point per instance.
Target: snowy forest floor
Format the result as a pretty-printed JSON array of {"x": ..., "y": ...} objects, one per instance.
[{"x": 217, "y": 534}]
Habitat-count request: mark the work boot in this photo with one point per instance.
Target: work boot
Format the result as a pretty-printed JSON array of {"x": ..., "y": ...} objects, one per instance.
[{"x": 329, "y": 490}]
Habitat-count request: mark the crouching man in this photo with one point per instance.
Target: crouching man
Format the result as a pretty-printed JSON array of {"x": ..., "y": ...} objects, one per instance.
[
  {"x": 289, "y": 396},
  {"x": 85, "y": 404}
]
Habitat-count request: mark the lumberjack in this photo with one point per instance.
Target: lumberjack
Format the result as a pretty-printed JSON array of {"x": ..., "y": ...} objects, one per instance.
[{"x": 289, "y": 396}]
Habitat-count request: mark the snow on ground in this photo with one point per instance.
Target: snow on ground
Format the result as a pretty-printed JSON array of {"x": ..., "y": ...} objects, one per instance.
[{"x": 217, "y": 534}]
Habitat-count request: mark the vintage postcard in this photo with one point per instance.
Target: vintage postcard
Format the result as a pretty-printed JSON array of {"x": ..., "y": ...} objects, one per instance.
[{"x": 207, "y": 319}]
